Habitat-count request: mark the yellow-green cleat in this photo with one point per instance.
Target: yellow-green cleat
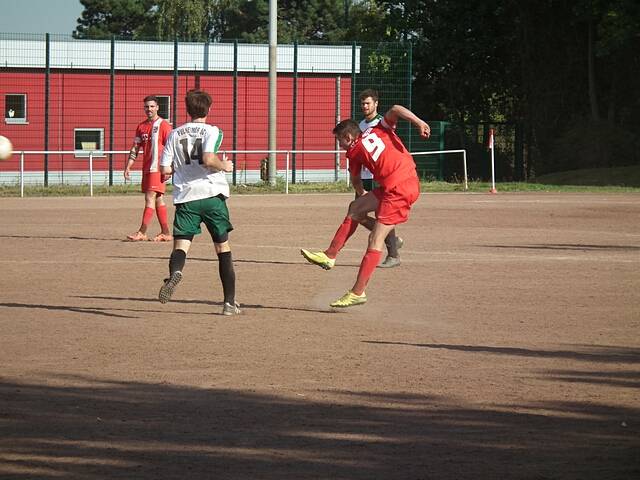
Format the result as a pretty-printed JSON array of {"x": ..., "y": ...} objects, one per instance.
[
  {"x": 350, "y": 299},
  {"x": 318, "y": 258}
]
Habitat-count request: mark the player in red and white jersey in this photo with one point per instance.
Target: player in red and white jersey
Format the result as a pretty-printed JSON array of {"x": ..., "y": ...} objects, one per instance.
[
  {"x": 380, "y": 150},
  {"x": 151, "y": 136}
]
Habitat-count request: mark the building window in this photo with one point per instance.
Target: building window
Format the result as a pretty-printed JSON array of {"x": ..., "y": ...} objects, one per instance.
[
  {"x": 87, "y": 140},
  {"x": 164, "y": 106},
  {"x": 15, "y": 108}
]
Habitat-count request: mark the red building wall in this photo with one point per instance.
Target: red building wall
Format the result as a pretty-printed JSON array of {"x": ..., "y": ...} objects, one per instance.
[{"x": 81, "y": 100}]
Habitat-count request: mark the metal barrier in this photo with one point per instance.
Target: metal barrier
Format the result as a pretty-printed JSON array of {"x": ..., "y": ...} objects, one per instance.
[{"x": 287, "y": 153}]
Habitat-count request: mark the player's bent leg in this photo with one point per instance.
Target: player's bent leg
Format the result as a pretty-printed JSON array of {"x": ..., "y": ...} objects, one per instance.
[
  {"x": 368, "y": 222},
  {"x": 393, "y": 244},
  {"x": 361, "y": 206},
  {"x": 176, "y": 265}
]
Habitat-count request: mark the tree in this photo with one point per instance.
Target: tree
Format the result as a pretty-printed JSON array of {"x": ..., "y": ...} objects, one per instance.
[
  {"x": 130, "y": 19},
  {"x": 303, "y": 20},
  {"x": 194, "y": 20}
]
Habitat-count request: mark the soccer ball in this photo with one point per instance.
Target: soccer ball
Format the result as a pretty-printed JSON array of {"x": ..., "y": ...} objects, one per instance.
[{"x": 6, "y": 149}]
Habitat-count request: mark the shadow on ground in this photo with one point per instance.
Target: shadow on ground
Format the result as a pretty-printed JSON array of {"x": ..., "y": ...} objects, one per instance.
[{"x": 151, "y": 431}]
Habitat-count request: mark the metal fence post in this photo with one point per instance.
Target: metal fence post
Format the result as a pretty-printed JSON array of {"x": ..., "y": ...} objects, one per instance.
[
  {"x": 175, "y": 81},
  {"x": 295, "y": 111},
  {"x": 21, "y": 174},
  {"x": 409, "y": 100},
  {"x": 353, "y": 78},
  {"x": 235, "y": 109},
  {"x": 46, "y": 107},
  {"x": 91, "y": 174},
  {"x": 111, "y": 106},
  {"x": 338, "y": 108}
]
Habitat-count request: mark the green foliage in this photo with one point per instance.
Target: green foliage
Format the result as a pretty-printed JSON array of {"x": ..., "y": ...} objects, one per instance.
[
  {"x": 129, "y": 19},
  {"x": 588, "y": 144},
  {"x": 378, "y": 63},
  {"x": 307, "y": 20},
  {"x": 196, "y": 20}
]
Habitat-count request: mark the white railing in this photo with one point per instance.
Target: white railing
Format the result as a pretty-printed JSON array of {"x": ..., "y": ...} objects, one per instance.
[{"x": 91, "y": 154}]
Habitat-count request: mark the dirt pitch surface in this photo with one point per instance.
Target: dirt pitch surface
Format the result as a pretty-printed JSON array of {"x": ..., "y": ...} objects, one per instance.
[{"x": 506, "y": 345}]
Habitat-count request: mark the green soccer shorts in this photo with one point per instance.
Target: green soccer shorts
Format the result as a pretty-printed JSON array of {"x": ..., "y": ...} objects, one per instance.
[{"x": 213, "y": 212}]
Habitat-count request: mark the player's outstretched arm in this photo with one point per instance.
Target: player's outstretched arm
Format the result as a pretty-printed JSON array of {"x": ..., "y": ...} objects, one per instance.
[
  {"x": 399, "y": 112},
  {"x": 213, "y": 162}
]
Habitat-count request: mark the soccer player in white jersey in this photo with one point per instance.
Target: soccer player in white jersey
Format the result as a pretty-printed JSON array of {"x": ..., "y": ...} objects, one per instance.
[
  {"x": 200, "y": 190},
  {"x": 369, "y": 106}
]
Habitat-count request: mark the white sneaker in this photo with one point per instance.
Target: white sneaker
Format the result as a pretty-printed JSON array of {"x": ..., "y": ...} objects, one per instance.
[
  {"x": 389, "y": 262},
  {"x": 231, "y": 309}
]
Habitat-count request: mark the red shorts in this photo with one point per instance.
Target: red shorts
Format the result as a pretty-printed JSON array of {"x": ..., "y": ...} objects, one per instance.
[
  {"x": 152, "y": 182},
  {"x": 396, "y": 202}
]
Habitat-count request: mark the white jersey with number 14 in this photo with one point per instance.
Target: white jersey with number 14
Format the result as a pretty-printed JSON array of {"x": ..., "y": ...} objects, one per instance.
[{"x": 184, "y": 152}]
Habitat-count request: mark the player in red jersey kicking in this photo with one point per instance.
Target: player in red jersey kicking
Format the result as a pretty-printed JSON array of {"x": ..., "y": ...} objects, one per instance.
[
  {"x": 380, "y": 150},
  {"x": 151, "y": 135}
]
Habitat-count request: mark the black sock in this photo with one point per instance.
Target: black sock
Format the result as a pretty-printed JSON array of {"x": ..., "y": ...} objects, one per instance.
[
  {"x": 227, "y": 276},
  {"x": 177, "y": 260},
  {"x": 391, "y": 244}
]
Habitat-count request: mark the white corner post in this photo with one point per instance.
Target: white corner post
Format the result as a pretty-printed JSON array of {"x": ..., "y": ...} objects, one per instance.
[{"x": 493, "y": 163}]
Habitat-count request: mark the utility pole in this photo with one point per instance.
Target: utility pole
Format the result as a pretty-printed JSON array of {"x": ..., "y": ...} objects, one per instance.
[{"x": 273, "y": 83}]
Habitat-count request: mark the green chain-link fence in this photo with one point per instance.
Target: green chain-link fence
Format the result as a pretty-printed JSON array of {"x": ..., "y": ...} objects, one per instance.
[{"x": 65, "y": 95}]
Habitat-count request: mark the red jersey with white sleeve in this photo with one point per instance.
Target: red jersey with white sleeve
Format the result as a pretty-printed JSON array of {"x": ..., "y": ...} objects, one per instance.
[
  {"x": 380, "y": 150},
  {"x": 151, "y": 137}
]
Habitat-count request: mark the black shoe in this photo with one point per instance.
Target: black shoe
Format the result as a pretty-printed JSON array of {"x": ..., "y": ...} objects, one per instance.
[{"x": 169, "y": 285}]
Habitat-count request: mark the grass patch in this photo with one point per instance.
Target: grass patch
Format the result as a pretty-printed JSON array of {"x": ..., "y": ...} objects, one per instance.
[
  {"x": 615, "y": 176},
  {"x": 555, "y": 184}
]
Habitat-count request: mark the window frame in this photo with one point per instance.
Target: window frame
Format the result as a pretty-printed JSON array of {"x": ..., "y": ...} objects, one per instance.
[
  {"x": 16, "y": 120},
  {"x": 168, "y": 97},
  {"x": 82, "y": 153}
]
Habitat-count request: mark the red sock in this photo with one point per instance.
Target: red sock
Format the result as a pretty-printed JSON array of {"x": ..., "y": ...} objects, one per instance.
[
  {"x": 345, "y": 230},
  {"x": 147, "y": 215},
  {"x": 161, "y": 211},
  {"x": 369, "y": 263}
]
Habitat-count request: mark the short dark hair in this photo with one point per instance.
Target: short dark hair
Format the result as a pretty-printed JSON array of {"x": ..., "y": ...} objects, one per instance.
[
  {"x": 198, "y": 103},
  {"x": 369, "y": 92},
  {"x": 347, "y": 126},
  {"x": 151, "y": 98}
]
